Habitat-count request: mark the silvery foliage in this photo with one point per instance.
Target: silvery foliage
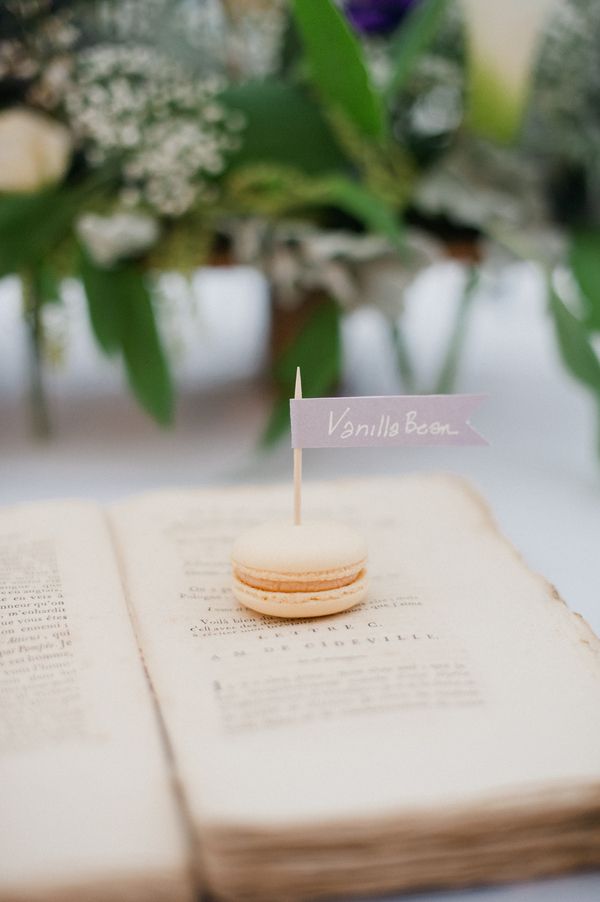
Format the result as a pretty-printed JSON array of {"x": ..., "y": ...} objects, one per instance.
[
  {"x": 510, "y": 189},
  {"x": 563, "y": 127},
  {"x": 353, "y": 269},
  {"x": 234, "y": 38}
]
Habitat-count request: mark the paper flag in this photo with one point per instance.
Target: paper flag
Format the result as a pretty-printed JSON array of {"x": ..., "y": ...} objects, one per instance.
[{"x": 384, "y": 420}]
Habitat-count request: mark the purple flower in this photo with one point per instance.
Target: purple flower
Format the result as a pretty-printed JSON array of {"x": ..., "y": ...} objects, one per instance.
[{"x": 377, "y": 16}]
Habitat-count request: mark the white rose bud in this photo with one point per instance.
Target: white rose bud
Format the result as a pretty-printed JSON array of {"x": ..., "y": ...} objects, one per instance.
[{"x": 34, "y": 150}]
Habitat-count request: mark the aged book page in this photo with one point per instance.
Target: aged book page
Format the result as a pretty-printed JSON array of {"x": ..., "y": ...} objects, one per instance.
[
  {"x": 462, "y": 686},
  {"x": 87, "y": 809}
]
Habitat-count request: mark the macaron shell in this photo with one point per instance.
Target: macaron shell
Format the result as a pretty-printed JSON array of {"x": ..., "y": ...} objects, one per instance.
[
  {"x": 316, "y": 546},
  {"x": 301, "y": 604}
]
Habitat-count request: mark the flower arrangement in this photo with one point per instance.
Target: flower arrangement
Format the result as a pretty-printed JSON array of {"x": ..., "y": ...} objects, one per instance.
[{"x": 339, "y": 146}]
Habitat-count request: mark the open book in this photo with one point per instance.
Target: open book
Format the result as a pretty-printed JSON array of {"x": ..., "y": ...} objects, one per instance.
[{"x": 156, "y": 739}]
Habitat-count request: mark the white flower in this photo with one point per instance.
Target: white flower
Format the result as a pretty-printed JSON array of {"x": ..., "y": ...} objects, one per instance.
[
  {"x": 109, "y": 239},
  {"x": 502, "y": 39},
  {"x": 34, "y": 150}
]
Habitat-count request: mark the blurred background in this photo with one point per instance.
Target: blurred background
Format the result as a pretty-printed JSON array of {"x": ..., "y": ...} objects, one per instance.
[{"x": 400, "y": 196}]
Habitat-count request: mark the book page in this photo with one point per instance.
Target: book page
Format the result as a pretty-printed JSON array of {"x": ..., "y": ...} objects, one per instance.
[
  {"x": 87, "y": 808},
  {"x": 461, "y": 681}
]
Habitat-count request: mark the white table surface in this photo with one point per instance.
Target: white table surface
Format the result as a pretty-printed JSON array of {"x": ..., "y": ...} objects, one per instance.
[{"x": 541, "y": 475}]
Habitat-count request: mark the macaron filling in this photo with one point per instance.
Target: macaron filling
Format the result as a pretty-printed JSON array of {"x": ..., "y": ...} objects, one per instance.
[{"x": 286, "y": 582}]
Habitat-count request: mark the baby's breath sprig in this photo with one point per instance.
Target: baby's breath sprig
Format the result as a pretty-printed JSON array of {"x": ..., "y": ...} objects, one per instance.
[{"x": 170, "y": 132}]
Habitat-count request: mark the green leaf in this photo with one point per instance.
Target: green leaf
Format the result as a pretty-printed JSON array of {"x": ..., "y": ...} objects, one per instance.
[
  {"x": 283, "y": 126},
  {"x": 277, "y": 424},
  {"x": 104, "y": 304},
  {"x": 122, "y": 318},
  {"x": 317, "y": 351},
  {"x": 364, "y": 205},
  {"x": 145, "y": 360},
  {"x": 276, "y": 190},
  {"x": 584, "y": 257},
  {"x": 574, "y": 343},
  {"x": 446, "y": 378},
  {"x": 337, "y": 65},
  {"x": 416, "y": 33},
  {"x": 31, "y": 225},
  {"x": 49, "y": 287}
]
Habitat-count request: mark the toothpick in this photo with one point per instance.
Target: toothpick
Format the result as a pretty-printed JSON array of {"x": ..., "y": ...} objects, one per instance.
[{"x": 298, "y": 462}]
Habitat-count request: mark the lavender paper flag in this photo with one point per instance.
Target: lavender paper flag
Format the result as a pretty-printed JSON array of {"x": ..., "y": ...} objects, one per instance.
[{"x": 384, "y": 420}]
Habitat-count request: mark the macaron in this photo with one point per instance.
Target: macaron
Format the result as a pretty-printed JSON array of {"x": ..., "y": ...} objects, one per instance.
[{"x": 308, "y": 570}]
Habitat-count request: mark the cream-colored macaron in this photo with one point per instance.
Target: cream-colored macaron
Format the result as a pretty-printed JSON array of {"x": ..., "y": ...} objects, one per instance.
[{"x": 310, "y": 570}]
